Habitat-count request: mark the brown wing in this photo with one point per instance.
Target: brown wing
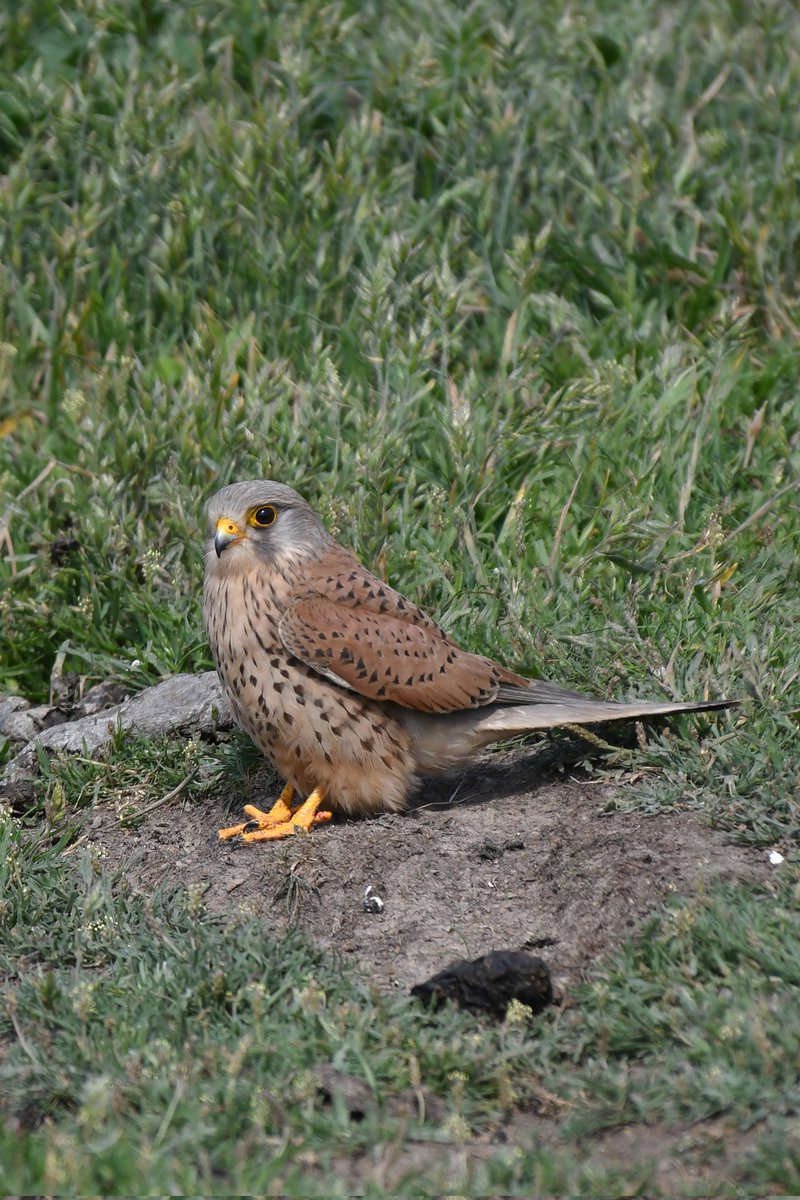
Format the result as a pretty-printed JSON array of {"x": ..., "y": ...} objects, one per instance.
[
  {"x": 385, "y": 657},
  {"x": 361, "y": 633}
]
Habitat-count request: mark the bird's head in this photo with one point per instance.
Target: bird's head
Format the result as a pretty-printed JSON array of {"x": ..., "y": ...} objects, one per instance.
[{"x": 264, "y": 519}]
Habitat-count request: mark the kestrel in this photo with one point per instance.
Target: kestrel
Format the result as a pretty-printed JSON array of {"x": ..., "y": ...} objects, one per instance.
[{"x": 348, "y": 688}]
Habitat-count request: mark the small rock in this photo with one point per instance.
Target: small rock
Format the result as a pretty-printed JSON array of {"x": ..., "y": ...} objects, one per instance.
[
  {"x": 19, "y": 720},
  {"x": 180, "y": 702},
  {"x": 102, "y": 695},
  {"x": 64, "y": 688},
  {"x": 489, "y": 851},
  {"x": 373, "y": 903}
]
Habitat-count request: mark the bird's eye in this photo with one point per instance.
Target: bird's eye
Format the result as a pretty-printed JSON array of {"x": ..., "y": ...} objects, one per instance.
[{"x": 265, "y": 516}]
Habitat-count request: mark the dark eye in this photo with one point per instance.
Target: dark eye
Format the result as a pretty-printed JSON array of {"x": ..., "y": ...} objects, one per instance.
[{"x": 265, "y": 516}]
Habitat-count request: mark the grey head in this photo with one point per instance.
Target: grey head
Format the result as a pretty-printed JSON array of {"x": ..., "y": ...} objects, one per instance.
[{"x": 263, "y": 518}]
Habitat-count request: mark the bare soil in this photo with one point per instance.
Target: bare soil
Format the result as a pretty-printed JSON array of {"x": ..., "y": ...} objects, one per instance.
[
  {"x": 675, "y": 1161},
  {"x": 505, "y": 855},
  {"x": 508, "y": 854}
]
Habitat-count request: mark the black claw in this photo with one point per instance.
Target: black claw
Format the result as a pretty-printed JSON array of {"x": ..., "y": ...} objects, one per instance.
[{"x": 251, "y": 827}]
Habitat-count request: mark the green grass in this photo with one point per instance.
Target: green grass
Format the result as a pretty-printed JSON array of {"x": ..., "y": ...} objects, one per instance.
[
  {"x": 147, "y": 1041},
  {"x": 510, "y": 293}
]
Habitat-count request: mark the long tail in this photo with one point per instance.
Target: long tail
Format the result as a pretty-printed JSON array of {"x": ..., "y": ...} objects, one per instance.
[
  {"x": 443, "y": 740},
  {"x": 506, "y": 720}
]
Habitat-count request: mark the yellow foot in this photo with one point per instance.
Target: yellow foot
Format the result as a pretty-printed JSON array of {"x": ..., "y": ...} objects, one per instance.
[
  {"x": 300, "y": 820},
  {"x": 282, "y": 819},
  {"x": 281, "y": 811}
]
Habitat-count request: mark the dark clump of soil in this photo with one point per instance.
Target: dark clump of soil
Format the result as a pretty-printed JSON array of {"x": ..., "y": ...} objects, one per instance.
[
  {"x": 490, "y": 983},
  {"x": 500, "y": 857}
]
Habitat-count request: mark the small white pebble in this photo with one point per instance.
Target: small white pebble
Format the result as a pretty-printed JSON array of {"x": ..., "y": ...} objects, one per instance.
[
  {"x": 135, "y": 664},
  {"x": 775, "y": 857},
  {"x": 373, "y": 903}
]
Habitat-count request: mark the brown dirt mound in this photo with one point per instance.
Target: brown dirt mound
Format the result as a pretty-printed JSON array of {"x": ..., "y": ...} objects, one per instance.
[{"x": 502, "y": 856}]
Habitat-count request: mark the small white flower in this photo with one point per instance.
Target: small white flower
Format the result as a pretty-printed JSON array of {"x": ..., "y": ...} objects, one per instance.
[
  {"x": 74, "y": 403},
  {"x": 775, "y": 857}
]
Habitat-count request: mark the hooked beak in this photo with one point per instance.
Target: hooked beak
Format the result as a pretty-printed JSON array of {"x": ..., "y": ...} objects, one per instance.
[{"x": 227, "y": 533}]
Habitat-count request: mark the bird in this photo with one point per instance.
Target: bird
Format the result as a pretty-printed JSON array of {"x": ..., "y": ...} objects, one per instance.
[{"x": 350, "y": 689}]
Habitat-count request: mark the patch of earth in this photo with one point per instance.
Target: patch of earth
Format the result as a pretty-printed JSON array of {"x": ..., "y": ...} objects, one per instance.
[
  {"x": 668, "y": 1160},
  {"x": 501, "y": 856},
  {"x": 671, "y": 1160}
]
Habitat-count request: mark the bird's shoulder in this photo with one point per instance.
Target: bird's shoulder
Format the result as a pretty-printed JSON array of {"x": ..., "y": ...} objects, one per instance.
[{"x": 340, "y": 578}]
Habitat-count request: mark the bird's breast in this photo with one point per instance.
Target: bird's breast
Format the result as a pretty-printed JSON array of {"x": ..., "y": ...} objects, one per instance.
[{"x": 316, "y": 733}]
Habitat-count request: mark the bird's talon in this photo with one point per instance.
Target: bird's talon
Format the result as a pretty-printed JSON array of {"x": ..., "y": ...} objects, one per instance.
[
  {"x": 232, "y": 831},
  {"x": 282, "y": 820}
]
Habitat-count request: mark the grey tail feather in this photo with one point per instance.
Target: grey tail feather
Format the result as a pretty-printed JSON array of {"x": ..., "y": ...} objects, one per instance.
[
  {"x": 505, "y": 720},
  {"x": 538, "y": 691}
]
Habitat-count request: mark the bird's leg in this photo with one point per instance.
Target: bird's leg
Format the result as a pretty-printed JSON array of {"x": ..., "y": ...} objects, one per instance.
[
  {"x": 280, "y": 820},
  {"x": 280, "y": 811},
  {"x": 300, "y": 820}
]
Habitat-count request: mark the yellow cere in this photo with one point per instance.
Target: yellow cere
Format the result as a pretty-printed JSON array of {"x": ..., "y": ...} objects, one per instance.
[{"x": 228, "y": 527}]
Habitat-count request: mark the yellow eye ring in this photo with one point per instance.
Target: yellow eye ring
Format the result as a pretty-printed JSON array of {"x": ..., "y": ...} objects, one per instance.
[{"x": 263, "y": 517}]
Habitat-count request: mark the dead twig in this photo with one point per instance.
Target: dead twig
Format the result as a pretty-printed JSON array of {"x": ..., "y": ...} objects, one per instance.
[
  {"x": 560, "y": 526},
  {"x": 5, "y": 535},
  {"x": 176, "y": 791},
  {"x": 762, "y": 510},
  {"x": 23, "y": 1041}
]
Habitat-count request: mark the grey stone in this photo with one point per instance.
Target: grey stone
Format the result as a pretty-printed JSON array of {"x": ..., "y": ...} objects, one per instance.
[{"x": 182, "y": 702}]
